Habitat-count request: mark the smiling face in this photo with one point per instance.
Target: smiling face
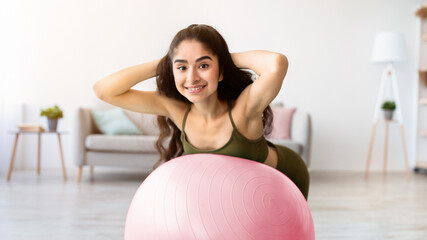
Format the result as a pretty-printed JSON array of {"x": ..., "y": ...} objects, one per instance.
[{"x": 196, "y": 71}]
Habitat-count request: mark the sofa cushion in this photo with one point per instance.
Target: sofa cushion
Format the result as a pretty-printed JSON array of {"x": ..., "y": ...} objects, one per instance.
[
  {"x": 282, "y": 120},
  {"x": 146, "y": 123},
  {"x": 121, "y": 143},
  {"x": 114, "y": 122},
  {"x": 135, "y": 117},
  {"x": 149, "y": 125}
]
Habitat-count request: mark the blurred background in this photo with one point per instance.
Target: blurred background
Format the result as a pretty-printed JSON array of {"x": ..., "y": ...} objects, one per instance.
[{"x": 52, "y": 52}]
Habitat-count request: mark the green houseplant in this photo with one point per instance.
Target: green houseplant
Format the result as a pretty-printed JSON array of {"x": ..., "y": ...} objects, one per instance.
[
  {"x": 52, "y": 114},
  {"x": 388, "y": 107}
]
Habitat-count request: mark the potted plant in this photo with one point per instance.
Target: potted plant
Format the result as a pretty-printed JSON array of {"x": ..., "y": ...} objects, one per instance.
[
  {"x": 388, "y": 107},
  {"x": 52, "y": 114}
]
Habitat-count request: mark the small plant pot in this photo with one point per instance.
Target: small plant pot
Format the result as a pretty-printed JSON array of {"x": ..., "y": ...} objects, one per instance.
[
  {"x": 388, "y": 114},
  {"x": 52, "y": 124}
]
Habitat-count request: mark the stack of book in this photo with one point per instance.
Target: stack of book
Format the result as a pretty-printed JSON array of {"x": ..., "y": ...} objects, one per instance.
[{"x": 30, "y": 128}]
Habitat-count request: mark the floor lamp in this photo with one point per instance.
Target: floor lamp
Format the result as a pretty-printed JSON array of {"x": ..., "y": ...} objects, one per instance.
[{"x": 389, "y": 48}]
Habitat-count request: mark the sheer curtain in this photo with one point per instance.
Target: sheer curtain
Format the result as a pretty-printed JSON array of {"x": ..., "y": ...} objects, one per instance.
[
  {"x": 11, "y": 115},
  {"x": 14, "y": 52}
]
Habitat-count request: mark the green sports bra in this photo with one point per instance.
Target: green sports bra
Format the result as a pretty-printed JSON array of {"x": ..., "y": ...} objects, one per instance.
[{"x": 237, "y": 146}]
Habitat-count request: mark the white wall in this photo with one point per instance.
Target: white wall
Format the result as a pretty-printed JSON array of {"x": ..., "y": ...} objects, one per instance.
[{"x": 54, "y": 51}]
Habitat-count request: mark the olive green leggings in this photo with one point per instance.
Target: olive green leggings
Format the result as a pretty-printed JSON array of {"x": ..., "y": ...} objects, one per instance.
[{"x": 292, "y": 165}]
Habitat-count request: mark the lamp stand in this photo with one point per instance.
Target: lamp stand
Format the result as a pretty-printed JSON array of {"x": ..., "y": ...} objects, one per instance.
[{"x": 388, "y": 77}]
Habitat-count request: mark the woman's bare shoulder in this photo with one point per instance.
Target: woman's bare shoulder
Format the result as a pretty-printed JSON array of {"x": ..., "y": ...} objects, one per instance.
[{"x": 176, "y": 110}]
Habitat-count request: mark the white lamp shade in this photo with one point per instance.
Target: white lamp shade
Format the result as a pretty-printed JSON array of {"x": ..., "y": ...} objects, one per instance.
[{"x": 389, "y": 47}]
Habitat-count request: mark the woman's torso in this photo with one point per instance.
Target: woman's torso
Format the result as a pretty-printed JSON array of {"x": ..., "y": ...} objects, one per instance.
[{"x": 231, "y": 141}]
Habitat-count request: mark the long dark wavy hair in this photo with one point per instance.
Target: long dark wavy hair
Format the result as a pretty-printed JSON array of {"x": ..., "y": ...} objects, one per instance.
[{"x": 234, "y": 82}]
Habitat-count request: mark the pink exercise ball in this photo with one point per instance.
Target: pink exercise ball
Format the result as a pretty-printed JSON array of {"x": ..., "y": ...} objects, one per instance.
[{"x": 209, "y": 196}]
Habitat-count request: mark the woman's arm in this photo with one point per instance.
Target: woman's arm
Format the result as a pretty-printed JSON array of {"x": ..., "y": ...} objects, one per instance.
[
  {"x": 271, "y": 68},
  {"x": 116, "y": 89}
]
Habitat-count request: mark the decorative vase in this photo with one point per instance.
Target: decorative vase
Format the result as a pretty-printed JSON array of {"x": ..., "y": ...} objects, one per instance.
[
  {"x": 388, "y": 114},
  {"x": 52, "y": 124}
]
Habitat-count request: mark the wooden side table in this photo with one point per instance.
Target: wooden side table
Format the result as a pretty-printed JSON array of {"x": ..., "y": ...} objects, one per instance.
[
  {"x": 18, "y": 132},
  {"x": 371, "y": 144}
]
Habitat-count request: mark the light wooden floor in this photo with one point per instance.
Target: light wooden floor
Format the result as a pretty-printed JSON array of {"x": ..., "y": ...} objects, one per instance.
[{"x": 343, "y": 205}]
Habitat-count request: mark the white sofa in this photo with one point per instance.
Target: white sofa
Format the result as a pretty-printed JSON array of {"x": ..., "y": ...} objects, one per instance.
[{"x": 137, "y": 151}]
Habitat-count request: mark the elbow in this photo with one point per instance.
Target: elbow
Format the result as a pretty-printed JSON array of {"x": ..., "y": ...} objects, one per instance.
[
  {"x": 98, "y": 90},
  {"x": 281, "y": 66}
]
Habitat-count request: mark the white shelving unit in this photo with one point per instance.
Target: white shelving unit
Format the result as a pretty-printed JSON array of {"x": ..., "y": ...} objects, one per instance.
[{"x": 421, "y": 144}]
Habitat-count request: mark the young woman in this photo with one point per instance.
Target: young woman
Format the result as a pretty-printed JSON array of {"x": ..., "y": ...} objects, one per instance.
[{"x": 206, "y": 103}]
